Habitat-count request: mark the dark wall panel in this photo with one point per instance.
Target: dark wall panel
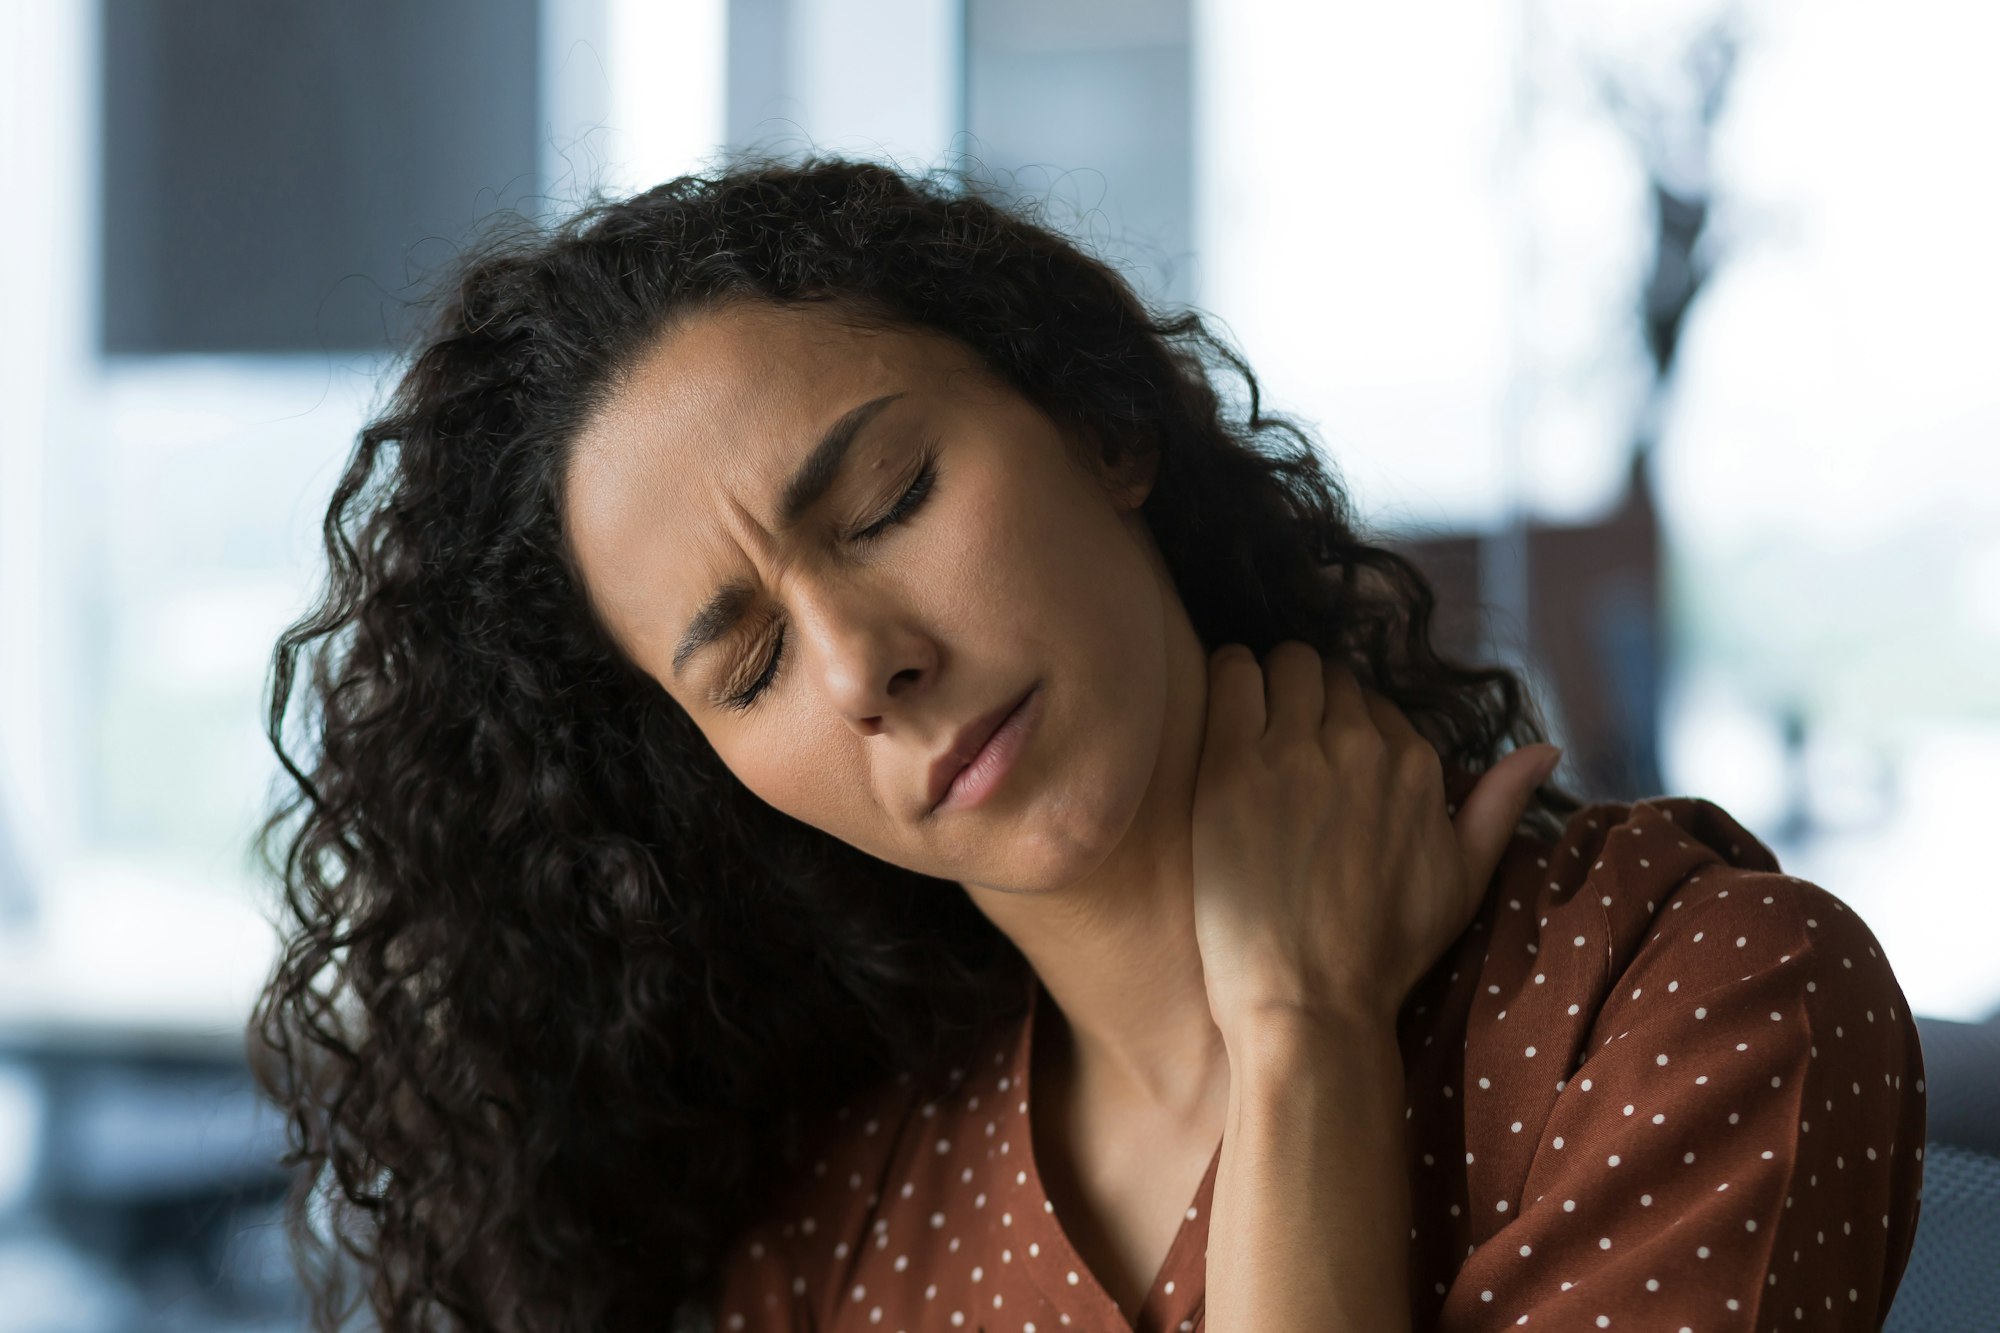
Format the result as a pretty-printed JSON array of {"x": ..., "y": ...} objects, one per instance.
[{"x": 271, "y": 166}]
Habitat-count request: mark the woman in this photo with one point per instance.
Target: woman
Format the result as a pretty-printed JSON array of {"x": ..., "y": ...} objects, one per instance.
[{"x": 669, "y": 941}]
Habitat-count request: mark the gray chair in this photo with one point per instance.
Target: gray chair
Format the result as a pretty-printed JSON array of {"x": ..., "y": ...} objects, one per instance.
[{"x": 1952, "y": 1283}]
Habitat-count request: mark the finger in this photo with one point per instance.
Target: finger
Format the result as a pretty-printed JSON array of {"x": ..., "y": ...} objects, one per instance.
[
  {"x": 1294, "y": 697},
  {"x": 1346, "y": 710},
  {"x": 1407, "y": 745},
  {"x": 1487, "y": 821},
  {"x": 1235, "y": 698}
]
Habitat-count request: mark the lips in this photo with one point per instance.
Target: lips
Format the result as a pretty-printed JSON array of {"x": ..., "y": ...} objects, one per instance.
[{"x": 966, "y": 745}]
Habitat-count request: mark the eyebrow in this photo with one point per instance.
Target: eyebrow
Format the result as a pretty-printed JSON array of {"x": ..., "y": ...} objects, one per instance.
[{"x": 806, "y": 487}]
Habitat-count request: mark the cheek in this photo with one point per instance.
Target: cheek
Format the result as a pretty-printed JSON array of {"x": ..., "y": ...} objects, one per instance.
[
  {"x": 1085, "y": 574},
  {"x": 833, "y": 795},
  {"x": 810, "y": 786}
]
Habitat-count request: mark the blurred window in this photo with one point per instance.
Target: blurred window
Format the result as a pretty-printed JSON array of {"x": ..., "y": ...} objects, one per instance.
[{"x": 1432, "y": 239}]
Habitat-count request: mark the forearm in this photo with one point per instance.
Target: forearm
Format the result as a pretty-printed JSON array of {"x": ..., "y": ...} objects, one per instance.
[{"x": 1310, "y": 1222}]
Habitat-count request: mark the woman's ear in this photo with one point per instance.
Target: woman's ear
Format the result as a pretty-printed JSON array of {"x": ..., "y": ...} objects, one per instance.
[
  {"x": 1124, "y": 466},
  {"x": 1132, "y": 465}
]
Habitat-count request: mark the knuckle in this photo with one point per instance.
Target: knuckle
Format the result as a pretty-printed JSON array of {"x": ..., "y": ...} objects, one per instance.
[
  {"x": 1420, "y": 766},
  {"x": 1298, "y": 746},
  {"x": 1302, "y": 773},
  {"x": 1356, "y": 747}
]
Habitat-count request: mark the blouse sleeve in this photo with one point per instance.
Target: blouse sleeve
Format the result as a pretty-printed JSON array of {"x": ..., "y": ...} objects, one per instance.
[{"x": 1741, "y": 1145}]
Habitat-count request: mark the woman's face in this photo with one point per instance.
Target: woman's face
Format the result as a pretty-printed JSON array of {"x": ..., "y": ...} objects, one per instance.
[{"x": 1008, "y": 568}]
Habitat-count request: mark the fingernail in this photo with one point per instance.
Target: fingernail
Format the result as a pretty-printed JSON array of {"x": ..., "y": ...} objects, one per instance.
[{"x": 1549, "y": 766}]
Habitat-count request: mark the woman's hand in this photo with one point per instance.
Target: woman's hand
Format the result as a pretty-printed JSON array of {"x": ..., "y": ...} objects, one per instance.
[{"x": 1328, "y": 877}]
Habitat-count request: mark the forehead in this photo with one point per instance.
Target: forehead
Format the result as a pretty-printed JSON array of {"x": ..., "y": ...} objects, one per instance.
[
  {"x": 690, "y": 448},
  {"x": 726, "y": 386}
]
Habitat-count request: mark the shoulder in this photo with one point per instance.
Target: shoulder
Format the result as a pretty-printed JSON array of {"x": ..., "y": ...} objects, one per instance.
[
  {"x": 1678, "y": 880},
  {"x": 1661, "y": 1056},
  {"x": 1631, "y": 881},
  {"x": 1661, "y": 923}
]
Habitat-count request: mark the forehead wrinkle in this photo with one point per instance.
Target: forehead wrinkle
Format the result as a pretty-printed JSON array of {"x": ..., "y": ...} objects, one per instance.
[
  {"x": 634, "y": 513},
  {"x": 714, "y": 376},
  {"x": 811, "y": 481},
  {"x": 645, "y": 530},
  {"x": 621, "y": 485}
]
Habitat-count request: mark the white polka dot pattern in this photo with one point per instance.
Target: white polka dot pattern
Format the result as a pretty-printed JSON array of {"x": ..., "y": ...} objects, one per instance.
[
  {"x": 1735, "y": 1124},
  {"x": 1656, "y": 1084}
]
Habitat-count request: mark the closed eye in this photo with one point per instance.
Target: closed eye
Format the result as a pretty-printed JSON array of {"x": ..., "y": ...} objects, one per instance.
[
  {"x": 904, "y": 507},
  {"x": 919, "y": 490}
]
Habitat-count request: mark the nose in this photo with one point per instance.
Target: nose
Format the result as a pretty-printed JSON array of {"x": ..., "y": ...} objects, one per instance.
[{"x": 854, "y": 641}]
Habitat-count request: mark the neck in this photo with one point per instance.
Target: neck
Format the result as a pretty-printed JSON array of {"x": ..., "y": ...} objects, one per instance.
[
  {"x": 1134, "y": 1036},
  {"x": 1123, "y": 1021},
  {"x": 1114, "y": 945}
]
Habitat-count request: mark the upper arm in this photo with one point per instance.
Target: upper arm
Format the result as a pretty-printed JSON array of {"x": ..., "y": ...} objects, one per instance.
[{"x": 1742, "y": 1139}]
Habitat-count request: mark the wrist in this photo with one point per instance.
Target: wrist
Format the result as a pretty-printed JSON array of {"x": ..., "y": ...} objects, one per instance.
[{"x": 1282, "y": 1045}]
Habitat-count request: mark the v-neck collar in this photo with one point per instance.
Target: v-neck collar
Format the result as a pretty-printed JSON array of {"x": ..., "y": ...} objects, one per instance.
[{"x": 1057, "y": 1268}]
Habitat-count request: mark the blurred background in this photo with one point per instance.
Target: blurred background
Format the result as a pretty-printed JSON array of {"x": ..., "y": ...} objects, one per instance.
[{"x": 1660, "y": 334}]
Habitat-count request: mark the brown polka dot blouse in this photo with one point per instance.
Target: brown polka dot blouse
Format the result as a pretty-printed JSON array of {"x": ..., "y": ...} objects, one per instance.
[{"x": 1657, "y": 1084}]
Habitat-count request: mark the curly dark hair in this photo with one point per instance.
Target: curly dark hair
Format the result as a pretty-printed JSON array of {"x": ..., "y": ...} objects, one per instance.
[{"x": 558, "y": 995}]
